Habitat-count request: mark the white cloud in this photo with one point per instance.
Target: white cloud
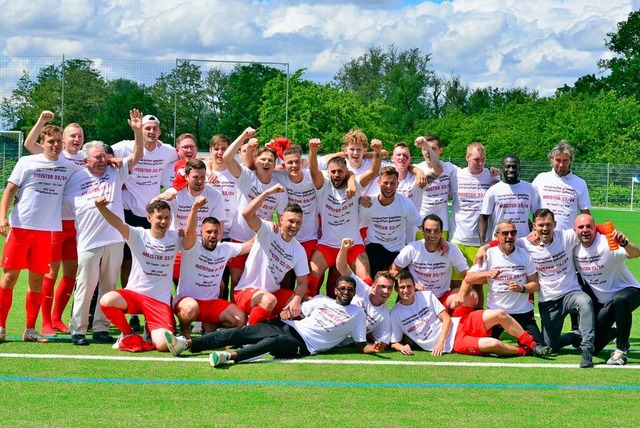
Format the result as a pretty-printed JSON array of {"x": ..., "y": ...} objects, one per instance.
[{"x": 543, "y": 44}]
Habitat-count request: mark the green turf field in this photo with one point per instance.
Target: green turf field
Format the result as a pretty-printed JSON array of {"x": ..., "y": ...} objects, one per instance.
[{"x": 58, "y": 384}]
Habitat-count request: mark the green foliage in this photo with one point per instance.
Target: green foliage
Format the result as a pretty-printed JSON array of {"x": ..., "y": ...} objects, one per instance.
[{"x": 625, "y": 63}]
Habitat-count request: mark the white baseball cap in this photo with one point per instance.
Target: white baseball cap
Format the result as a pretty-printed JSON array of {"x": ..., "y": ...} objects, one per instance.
[{"x": 150, "y": 118}]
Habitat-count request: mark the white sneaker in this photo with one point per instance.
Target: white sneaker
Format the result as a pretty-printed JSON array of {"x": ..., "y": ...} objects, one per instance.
[
  {"x": 219, "y": 357},
  {"x": 3, "y": 334},
  {"x": 116, "y": 345},
  {"x": 176, "y": 344},
  {"x": 31, "y": 335},
  {"x": 618, "y": 358}
]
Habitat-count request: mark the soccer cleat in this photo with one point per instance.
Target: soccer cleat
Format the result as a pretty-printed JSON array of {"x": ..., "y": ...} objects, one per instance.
[
  {"x": 618, "y": 358},
  {"x": 219, "y": 357},
  {"x": 3, "y": 334},
  {"x": 587, "y": 359},
  {"x": 176, "y": 344},
  {"x": 541, "y": 351},
  {"x": 31, "y": 335},
  {"x": 116, "y": 344}
]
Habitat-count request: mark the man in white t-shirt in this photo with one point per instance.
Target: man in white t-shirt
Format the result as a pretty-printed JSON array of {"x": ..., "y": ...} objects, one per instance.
[
  {"x": 149, "y": 290},
  {"x": 325, "y": 324},
  {"x": 468, "y": 187},
  {"x": 338, "y": 215},
  {"x": 419, "y": 319},
  {"x": 428, "y": 264},
  {"x": 391, "y": 220},
  {"x": 274, "y": 253},
  {"x": 63, "y": 243},
  {"x": 203, "y": 261},
  {"x": 512, "y": 278},
  {"x": 251, "y": 184},
  {"x": 616, "y": 290},
  {"x": 560, "y": 190},
  {"x": 435, "y": 195},
  {"x": 511, "y": 199},
  {"x": 143, "y": 185},
  {"x": 35, "y": 186},
  {"x": 372, "y": 299},
  {"x": 100, "y": 246}
]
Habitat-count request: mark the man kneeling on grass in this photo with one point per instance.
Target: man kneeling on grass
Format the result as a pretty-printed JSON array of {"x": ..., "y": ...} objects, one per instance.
[
  {"x": 421, "y": 317},
  {"x": 325, "y": 323}
]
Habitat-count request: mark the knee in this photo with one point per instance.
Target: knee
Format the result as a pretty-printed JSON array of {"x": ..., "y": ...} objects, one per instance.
[
  {"x": 188, "y": 309},
  {"x": 501, "y": 315},
  {"x": 109, "y": 299},
  {"x": 268, "y": 301}
]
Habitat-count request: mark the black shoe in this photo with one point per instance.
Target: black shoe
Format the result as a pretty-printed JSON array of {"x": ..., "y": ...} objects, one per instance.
[
  {"x": 80, "y": 340},
  {"x": 134, "y": 323},
  {"x": 587, "y": 359},
  {"x": 103, "y": 337},
  {"x": 541, "y": 351}
]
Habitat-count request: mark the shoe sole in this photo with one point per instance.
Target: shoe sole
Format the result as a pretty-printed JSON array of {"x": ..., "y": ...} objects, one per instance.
[
  {"x": 172, "y": 347},
  {"x": 29, "y": 339}
]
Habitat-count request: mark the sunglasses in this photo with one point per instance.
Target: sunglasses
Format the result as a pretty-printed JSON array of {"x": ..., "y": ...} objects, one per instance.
[
  {"x": 508, "y": 232},
  {"x": 347, "y": 289}
]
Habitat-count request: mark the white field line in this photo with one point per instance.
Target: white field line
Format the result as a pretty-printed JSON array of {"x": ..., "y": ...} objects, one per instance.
[{"x": 319, "y": 361}]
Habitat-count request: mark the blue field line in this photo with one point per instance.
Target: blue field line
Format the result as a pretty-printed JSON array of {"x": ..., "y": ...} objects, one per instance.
[{"x": 318, "y": 384}]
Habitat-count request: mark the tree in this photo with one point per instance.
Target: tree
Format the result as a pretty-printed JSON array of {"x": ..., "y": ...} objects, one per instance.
[
  {"x": 82, "y": 98},
  {"x": 625, "y": 64}
]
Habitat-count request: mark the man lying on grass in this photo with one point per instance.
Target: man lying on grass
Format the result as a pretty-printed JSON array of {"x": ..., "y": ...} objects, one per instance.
[
  {"x": 325, "y": 323},
  {"x": 423, "y": 320}
]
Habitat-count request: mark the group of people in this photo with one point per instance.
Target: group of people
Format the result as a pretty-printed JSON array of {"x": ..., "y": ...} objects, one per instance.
[{"x": 249, "y": 244}]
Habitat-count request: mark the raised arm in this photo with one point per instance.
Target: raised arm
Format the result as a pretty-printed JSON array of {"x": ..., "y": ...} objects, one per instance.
[
  {"x": 374, "y": 169},
  {"x": 31, "y": 142},
  {"x": 111, "y": 218},
  {"x": 341, "y": 260},
  {"x": 249, "y": 212},
  {"x": 191, "y": 228},
  {"x": 135, "y": 122},
  {"x": 316, "y": 174},
  {"x": 229, "y": 155},
  {"x": 632, "y": 249}
]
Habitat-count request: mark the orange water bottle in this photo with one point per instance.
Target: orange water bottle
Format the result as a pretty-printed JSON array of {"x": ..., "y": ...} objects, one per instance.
[{"x": 608, "y": 230}]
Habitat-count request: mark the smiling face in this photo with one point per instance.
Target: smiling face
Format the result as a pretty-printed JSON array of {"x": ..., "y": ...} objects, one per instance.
[
  {"x": 265, "y": 162},
  {"x": 187, "y": 149},
  {"x": 388, "y": 184},
  {"x": 196, "y": 180},
  {"x": 290, "y": 225},
  {"x": 355, "y": 154},
  {"x": 561, "y": 164},
  {"x": 506, "y": 235},
  {"x": 160, "y": 221},
  {"x": 511, "y": 170},
  {"x": 337, "y": 174},
  {"x": 406, "y": 291},
  {"x": 72, "y": 139},
  {"x": 432, "y": 233},
  {"x": 381, "y": 289},
  {"x": 210, "y": 233},
  {"x": 545, "y": 226},
  {"x": 97, "y": 161},
  {"x": 585, "y": 227},
  {"x": 345, "y": 290},
  {"x": 293, "y": 165}
]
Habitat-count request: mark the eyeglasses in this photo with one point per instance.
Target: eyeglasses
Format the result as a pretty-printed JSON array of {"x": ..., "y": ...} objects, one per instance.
[
  {"x": 188, "y": 147},
  {"x": 508, "y": 233},
  {"x": 347, "y": 289}
]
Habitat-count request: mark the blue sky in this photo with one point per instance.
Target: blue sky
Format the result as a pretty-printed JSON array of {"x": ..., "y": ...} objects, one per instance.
[{"x": 540, "y": 44}]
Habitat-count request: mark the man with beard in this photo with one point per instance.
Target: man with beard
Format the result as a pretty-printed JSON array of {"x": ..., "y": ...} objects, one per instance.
[
  {"x": 511, "y": 199},
  {"x": 616, "y": 290},
  {"x": 203, "y": 263},
  {"x": 324, "y": 325},
  {"x": 390, "y": 220}
]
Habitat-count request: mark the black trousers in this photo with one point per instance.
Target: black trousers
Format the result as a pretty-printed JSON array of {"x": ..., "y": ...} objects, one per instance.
[
  {"x": 528, "y": 322},
  {"x": 273, "y": 337},
  {"x": 619, "y": 310}
]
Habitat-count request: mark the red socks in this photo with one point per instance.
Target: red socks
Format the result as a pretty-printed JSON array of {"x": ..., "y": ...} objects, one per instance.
[
  {"x": 258, "y": 314},
  {"x": 6, "y": 300},
  {"x": 32, "y": 305},
  {"x": 313, "y": 285},
  {"x": 48, "y": 286},
  {"x": 63, "y": 294},
  {"x": 526, "y": 340},
  {"x": 117, "y": 318}
]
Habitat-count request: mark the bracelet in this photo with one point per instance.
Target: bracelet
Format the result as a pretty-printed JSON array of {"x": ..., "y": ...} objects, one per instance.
[
  {"x": 524, "y": 290},
  {"x": 626, "y": 242}
]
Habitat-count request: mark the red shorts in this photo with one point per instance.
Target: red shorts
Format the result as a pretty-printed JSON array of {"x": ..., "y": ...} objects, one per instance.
[
  {"x": 63, "y": 244},
  {"x": 27, "y": 249},
  {"x": 242, "y": 298},
  {"x": 470, "y": 330},
  {"x": 309, "y": 247},
  {"x": 330, "y": 253},
  {"x": 176, "y": 265},
  {"x": 208, "y": 310},
  {"x": 238, "y": 262},
  {"x": 156, "y": 313}
]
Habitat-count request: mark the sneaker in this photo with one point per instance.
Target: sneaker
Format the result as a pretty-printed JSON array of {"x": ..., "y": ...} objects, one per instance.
[
  {"x": 541, "y": 351},
  {"x": 3, "y": 334},
  {"x": 219, "y": 357},
  {"x": 176, "y": 344},
  {"x": 618, "y": 358},
  {"x": 103, "y": 337},
  {"x": 134, "y": 323},
  {"x": 79, "y": 340},
  {"x": 587, "y": 359},
  {"x": 116, "y": 344},
  {"x": 31, "y": 335}
]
